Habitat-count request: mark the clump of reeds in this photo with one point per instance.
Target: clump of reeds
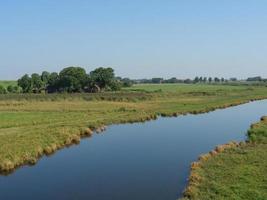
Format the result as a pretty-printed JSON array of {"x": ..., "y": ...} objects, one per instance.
[
  {"x": 213, "y": 153},
  {"x": 88, "y": 132},
  {"x": 221, "y": 148},
  {"x": 76, "y": 139},
  {"x": 204, "y": 157},
  {"x": 255, "y": 125},
  {"x": 32, "y": 161},
  {"x": 195, "y": 165},
  {"x": 98, "y": 130},
  {"x": 163, "y": 114},
  {"x": 189, "y": 191},
  {"x": 264, "y": 118},
  {"x": 101, "y": 129},
  {"x": 39, "y": 151},
  {"x": 48, "y": 150},
  {"x": 68, "y": 141},
  {"x": 194, "y": 178},
  {"x": 7, "y": 165}
]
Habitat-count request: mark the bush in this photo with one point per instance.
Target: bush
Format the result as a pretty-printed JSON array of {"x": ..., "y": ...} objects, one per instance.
[
  {"x": 13, "y": 89},
  {"x": 2, "y": 90}
]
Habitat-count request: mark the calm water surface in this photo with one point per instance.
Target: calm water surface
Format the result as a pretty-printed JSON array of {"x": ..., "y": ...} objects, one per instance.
[{"x": 147, "y": 161}]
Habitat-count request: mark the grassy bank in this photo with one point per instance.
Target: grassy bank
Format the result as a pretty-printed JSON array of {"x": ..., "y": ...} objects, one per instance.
[
  {"x": 34, "y": 125},
  {"x": 233, "y": 171}
]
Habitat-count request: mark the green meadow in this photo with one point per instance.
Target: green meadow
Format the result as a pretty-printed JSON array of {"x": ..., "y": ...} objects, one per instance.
[
  {"x": 32, "y": 125},
  {"x": 235, "y": 172},
  {"x": 7, "y": 83}
]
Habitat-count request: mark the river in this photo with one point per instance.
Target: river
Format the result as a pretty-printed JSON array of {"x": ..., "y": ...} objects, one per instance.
[{"x": 142, "y": 161}]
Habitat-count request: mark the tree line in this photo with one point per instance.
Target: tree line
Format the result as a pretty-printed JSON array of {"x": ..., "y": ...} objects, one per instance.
[
  {"x": 72, "y": 80},
  {"x": 195, "y": 80}
]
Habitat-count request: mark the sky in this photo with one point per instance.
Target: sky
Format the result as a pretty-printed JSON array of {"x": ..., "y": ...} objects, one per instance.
[{"x": 139, "y": 39}]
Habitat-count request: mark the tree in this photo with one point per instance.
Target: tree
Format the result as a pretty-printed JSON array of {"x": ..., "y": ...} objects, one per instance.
[
  {"x": 257, "y": 78},
  {"x": 187, "y": 81},
  {"x": 216, "y": 79},
  {"x": 72, "y": 79},
  {"x": 53, "y": 82},
  {"x": 233, "y": 79},
  {"x": 45, "y": 76},
  {"x": 37, "y": 83},
  {"x": 126, "y": 82},
  {"x": 2, "y": 90},
  {"x": 102, "y": 77},
  {"x": 196, "y": 80},
  {"x": 205, "y": 80},
  {"x": 172, "y": 80},
  {"x": 210, "y": 79},
  {"x": 157, "y": 80},
  {"x": 115, "y": 85},
  {"x": 10, "y": 89},
  {"x": 25, "y": 83}
]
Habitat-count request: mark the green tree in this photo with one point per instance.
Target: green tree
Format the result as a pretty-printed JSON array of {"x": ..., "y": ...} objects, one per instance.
[
  {"x": 102, "y": 77},
  {"x": 72, "y": 79},
  {"x": 25, "y": 83},
  {"x": 45, "y": 76},
  {"x": 37, "y": 83},
  {"x": 53, "y": 83},
  {"x": 2, "y": 90},
  {"x": 210, "y": 79},
  {"x": 126, "y": 82},
  {"x": 171, "y": 80},
  {"x": 115, "y": 85},
  {"x": 196, "y": 80},
  {"x": 10, "y": 89},
  {"x": 216, "y": 79},
  {"x": 157, "y": 80}
]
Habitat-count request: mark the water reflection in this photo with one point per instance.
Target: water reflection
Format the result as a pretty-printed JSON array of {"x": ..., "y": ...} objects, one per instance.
[{"x": 134, "y": 161}]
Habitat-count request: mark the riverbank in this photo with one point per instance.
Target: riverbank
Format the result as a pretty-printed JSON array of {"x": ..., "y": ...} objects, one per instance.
[
  {"x": 232, "y": 171},
  {"x": 35, "y": 125}
]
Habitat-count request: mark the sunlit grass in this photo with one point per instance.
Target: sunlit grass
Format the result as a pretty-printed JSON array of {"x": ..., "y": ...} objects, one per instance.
[
  {"x": 236, "y": 173},
  {"x": 31, "y": 125}
]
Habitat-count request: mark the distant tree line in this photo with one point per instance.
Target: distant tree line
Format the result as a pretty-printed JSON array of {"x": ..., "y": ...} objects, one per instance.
[
  {"x": 72, "y": 80},
  {"x": 256, "y": 79},
  {"x": 75, "y": 79},
  {"x": 200, "y": 79},
  {"x": 188, "y": 81},
  {"x": 9, "y": 89}
]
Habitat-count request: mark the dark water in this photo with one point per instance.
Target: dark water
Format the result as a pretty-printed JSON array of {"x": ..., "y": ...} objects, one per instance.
[{"x": 147, "y": 161}]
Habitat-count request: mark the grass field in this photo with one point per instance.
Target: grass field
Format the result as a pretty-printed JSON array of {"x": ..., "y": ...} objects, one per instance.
[
  {"x": 33, "y": 125},
  {"x": 235, "y": 171}
]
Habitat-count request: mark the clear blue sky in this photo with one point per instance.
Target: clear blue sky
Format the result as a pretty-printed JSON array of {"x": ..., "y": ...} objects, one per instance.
[{"x": 139, "y": 38}]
